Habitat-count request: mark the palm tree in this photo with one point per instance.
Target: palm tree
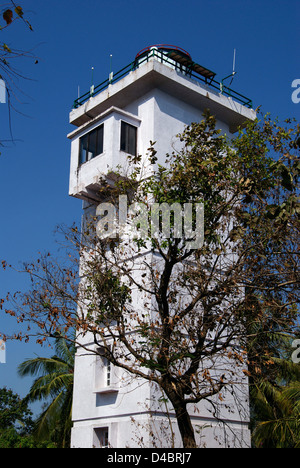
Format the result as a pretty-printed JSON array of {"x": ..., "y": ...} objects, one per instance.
[
  {"x": 280, "y": 427},
  {"x": 274, "y": 383},
  {"x": 54, "y": 384},
  {"x": 276, "y": 405}
]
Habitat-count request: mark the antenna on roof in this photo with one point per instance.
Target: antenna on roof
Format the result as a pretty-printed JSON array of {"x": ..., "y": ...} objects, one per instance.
[
  {"x": 233, "y": 66},
  {"x": 111, "y": 74},
  {"x": 232, "y": 74},
  {"x": 92, "y": 85}
]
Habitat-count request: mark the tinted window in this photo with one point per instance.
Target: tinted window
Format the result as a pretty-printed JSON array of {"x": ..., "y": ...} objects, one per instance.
[
  {"x": 91, "y": 145},
  {"x": 128, "y": 138}
]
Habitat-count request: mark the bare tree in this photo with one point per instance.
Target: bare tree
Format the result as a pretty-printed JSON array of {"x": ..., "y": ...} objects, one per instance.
[{"x": 9, "y": 73}]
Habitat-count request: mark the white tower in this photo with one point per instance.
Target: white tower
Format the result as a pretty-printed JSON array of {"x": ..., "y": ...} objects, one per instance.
[{"x": 152, "y": 99}]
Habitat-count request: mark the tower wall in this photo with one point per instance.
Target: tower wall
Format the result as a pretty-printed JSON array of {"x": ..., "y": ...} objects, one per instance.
[{"x": 111, "y": 407}]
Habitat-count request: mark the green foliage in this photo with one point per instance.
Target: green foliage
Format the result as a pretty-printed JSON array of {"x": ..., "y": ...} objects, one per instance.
[
  {"x": 112, "y": 295},
  {"x": 277, "y": 413},
  {"x": 54, "y": 384},
  {"x": 14, "y": 412},
  {"x": 16, "y": 423},
  {"x": 10, "y": 438}
]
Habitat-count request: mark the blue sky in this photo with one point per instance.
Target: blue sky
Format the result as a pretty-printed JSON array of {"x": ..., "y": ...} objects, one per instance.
[{"x": 70, "y": 37}]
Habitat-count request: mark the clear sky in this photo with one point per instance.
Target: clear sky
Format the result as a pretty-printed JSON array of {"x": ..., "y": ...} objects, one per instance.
[{"x": 71, "y": 37}]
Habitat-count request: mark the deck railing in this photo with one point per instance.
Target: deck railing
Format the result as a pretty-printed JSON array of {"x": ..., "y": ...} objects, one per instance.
[{"x": 164, "y": 58}]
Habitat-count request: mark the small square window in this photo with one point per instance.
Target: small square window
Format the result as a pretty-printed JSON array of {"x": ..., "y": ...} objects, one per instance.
[
  {"x": 91, "y": 145},
  {"x": 101, "y": 437},
  {"x": 128, "y": 138}
]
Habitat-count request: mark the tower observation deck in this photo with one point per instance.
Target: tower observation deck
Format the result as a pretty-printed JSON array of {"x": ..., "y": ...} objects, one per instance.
[{"x": 176, "y": 58}]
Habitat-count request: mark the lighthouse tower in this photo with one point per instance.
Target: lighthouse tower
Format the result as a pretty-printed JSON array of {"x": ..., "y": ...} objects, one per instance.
[{"x": 152, "y": 99}]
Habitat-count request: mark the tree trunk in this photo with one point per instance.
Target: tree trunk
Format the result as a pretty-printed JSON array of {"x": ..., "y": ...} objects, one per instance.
[
  {"x": 185, "y": 426},
  {"x": 183, "y": 419}
]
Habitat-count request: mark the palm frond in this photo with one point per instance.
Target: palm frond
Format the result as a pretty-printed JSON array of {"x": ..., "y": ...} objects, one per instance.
[{"x": 54, "y": 384}]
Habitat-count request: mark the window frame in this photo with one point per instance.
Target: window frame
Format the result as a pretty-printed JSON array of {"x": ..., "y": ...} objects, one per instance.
[
  {"x": 88, "y": 135},
  {"x": 104, "y": 374},
  {"x": 102, "y": 436},
  {"x": 126, "y": 148}
]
